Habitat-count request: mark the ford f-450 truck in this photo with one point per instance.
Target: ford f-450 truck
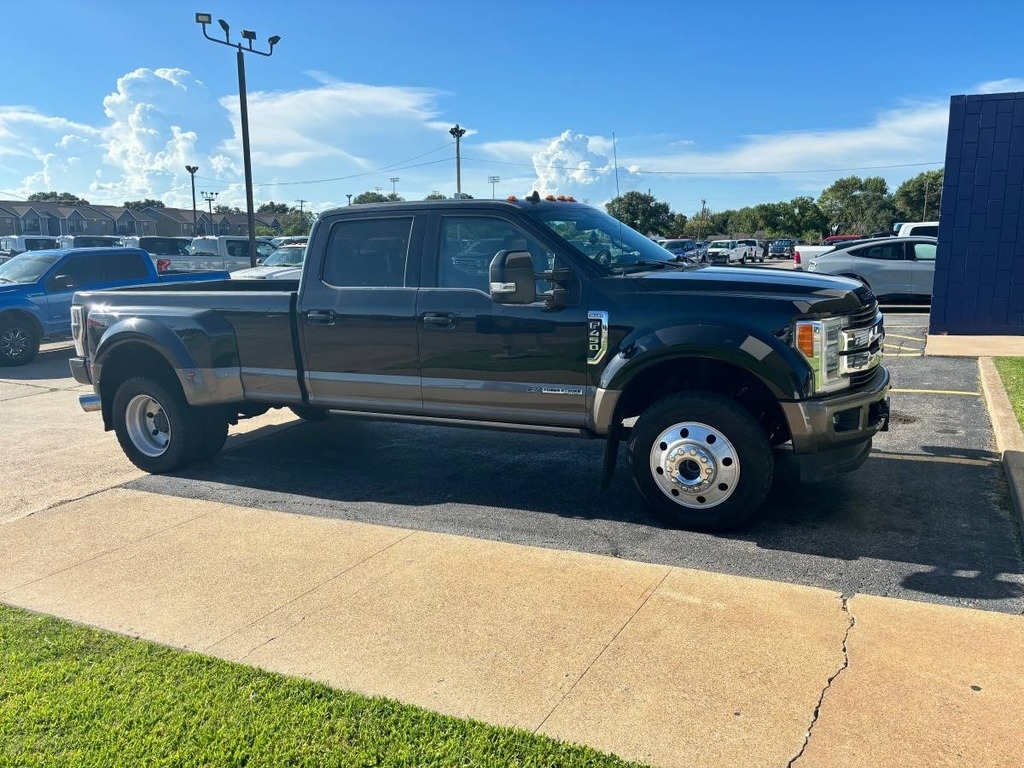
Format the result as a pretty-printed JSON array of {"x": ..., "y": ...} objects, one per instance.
[{"x": 541, "y": 315}]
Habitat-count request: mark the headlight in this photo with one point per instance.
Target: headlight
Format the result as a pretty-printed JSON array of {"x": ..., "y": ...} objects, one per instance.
[{"x": 819, "y": 341}]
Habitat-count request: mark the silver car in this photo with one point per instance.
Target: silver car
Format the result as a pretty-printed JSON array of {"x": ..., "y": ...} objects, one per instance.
[{"x": 894, "y": 268}]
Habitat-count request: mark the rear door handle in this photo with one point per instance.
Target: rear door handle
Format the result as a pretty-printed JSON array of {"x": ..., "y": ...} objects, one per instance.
[
  {"x": 439, "y": 320},
  {"x": 320, "y": 317}
]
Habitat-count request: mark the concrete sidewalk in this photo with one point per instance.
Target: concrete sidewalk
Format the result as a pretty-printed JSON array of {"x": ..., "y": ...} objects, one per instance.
[{"x": 659, "y": 664}]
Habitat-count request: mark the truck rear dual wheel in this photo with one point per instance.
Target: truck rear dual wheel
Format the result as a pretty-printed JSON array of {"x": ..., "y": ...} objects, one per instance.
[
  {"x": 700, "y": 461},
  {"x": 157, "y": 429}
]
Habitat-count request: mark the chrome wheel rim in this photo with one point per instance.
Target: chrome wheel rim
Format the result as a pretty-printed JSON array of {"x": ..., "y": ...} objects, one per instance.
[
  {"x": 695, "y": 465},
  {"x": 148, "y": 426}
]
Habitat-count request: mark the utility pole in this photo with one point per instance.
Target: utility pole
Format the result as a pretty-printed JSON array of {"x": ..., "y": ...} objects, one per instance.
[
  {"x": 492, "y": 180},
  {"x": 700, "y": 221},
  {"x": 209, "y": 197},
  {"x": 457, "y": 133},
  {"x": 394, "y": 180},
  {"x": 924, "y": 212}
]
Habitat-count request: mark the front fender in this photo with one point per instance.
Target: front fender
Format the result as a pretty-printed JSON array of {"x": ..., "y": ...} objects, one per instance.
[
  {"x": 770, "y": 359},
  {"x": 24, "y": 305},
  {"x": 199, "y": 346}
]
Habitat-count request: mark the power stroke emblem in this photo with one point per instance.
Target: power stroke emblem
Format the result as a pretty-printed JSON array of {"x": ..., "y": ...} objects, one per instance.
[{"x": 597, "y": 336}]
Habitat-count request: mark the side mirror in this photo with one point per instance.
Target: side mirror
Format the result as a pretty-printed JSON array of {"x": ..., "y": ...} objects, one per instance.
[{"x": 512, "y": 279}]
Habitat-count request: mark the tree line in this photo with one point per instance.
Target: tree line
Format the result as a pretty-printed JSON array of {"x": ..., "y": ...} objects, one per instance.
[{"x": 851, "y": 205}]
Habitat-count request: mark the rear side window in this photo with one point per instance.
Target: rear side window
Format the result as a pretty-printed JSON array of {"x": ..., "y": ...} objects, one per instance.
[
  {"x": 887, "y": 252},
  {"x": 368, "y": 253},
  {"x": 926, "y": 230}
]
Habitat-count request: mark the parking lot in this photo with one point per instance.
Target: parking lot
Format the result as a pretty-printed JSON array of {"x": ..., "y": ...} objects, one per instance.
[{"x": 927, "y": 518}]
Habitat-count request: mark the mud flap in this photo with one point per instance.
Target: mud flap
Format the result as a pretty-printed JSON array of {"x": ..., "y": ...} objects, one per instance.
[{"x": 611, "y": 455}]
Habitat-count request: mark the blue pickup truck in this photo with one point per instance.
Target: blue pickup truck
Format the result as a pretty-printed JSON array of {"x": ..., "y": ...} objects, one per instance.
[{"x": 36, "y": 288}]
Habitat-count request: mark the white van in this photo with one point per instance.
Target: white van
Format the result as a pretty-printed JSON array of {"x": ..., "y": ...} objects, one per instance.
[
  {"x": 88, "y": 241},
  {"x": 12, "y": 245},
  {"x": 228, "y": 252},
  {"x": 928, "y": 228}
]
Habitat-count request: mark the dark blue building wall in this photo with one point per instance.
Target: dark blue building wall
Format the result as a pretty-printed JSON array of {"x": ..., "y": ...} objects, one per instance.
[{"x": 979, "y": 269}]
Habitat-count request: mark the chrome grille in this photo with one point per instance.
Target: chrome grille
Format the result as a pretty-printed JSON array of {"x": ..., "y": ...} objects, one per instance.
[{"x": 862, "y": 343}]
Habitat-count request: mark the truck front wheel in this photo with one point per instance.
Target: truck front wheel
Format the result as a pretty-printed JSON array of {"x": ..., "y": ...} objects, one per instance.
[
  {"x": 19, "y": 342},
  {"x": 700, "y": 461},
  {"x": 157, "y": 429}
]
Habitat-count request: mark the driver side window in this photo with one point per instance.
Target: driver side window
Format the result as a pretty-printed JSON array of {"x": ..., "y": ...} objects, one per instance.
[{"x": 469, "y": 243}]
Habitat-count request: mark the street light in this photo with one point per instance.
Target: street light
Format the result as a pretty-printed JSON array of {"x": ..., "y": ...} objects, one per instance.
[
  {"x": 457, "y": 133},
  {"x": 349, "y": 196},
  {"x": 209, "y": 197},
  {"x": 192, "y": 172},
  {"x": 250, "y": 36},
  {"x": 394, "y": 180},
  {"x": 492, "y": 180}
]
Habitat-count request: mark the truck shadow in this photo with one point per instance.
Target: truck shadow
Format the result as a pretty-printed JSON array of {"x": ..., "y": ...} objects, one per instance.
[
  {"x": 51, "y": 363},
  {"x": 902, "y": 524}
]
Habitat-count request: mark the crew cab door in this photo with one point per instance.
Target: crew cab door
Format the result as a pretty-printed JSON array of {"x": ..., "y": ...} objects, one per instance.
[
  {"x": 88, "y": 271},
  {"x": 523, "y": 364},
  {"x": 357, "y": 314}
]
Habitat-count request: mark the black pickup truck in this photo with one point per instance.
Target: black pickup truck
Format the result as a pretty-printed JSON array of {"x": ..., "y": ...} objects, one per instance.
[{"x": 541, "y": 315}]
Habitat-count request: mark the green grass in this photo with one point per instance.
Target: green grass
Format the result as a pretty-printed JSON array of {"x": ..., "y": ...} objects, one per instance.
[
  {"x": 1011, "y": 370},
  {"x": 74, "y": 696}
]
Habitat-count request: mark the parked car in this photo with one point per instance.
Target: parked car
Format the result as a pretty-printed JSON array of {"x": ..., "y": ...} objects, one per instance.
[
  {"x": 927, "y": 228},
  {"x": 36, "y": 290},
  {"x": 283, "y": 264},
  {"x": 754, "y": 252},
  {"x": 782, "y": 248},
  {"x": 685, "y": 248},
  {"x": 159, "y": 246},
  {"x": 726, "y": 252},
  {"x": 277, "y": 242},
  {"x": 894, "y": 268},
  {"x": 88, "y": 241},
  {"x": 228, "y": 252},
  {"x": 14, "y": 244},
  {"x": 803, "y": 254}
]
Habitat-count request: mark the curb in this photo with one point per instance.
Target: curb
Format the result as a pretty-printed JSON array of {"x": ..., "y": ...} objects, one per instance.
[{"x": 1008, "y": 434}]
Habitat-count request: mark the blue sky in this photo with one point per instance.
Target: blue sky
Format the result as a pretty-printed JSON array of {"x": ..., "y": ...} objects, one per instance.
[{"x": 733, "y": 102}]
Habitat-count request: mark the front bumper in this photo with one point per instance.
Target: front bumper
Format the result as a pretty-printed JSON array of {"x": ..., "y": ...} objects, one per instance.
[
  {"x": 81, "y": 370},
  {"x": 833, "y": 435}
]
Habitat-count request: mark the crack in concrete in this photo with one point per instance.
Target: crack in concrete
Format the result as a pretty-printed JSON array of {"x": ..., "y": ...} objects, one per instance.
[{"x": 852, "y": 621}]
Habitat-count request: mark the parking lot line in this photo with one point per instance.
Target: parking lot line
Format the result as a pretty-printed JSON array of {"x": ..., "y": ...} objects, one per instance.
[
  {"x": 901, "y": 353},
  {"x": 935, "y": 392},
  {"x": 936, "y": 459}
]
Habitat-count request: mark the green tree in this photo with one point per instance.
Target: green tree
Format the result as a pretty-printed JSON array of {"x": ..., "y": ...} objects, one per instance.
[
  {"x": 919, "y": 198},
  {"x": 435, "y": 195},
  {"x": 64, "y": 198},
  {"x": 804, "y": 219},
  {"x": 394, "y": 197},
  {"x": 138, "y": 205},
  {"x": 858, "y": 206},
  {"x": 369, "y": 197},
  {"x": 226, "y": 209},
  {"x": 273, "y": 207},
  {"x": 642, "y": 212},
  {"x": 677, "y": 226}
]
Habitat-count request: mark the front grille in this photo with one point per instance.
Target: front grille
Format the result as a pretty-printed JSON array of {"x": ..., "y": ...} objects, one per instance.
[
  {"x": 865, "y": 317},
  {"x": 864, "y": 320}
]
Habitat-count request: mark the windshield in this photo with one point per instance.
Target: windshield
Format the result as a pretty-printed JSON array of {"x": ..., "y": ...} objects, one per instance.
[
  {"x": 40, "y": 245},
  {"x": 27, "y": 268},
  {"x": 285, "y": 257},
  {"x": 719, "y": 244},
  {"x": 603, "y": 239}
]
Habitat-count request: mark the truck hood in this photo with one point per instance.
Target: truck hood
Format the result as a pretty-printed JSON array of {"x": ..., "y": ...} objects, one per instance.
[
  {"x": 11, "y": 289},
  {"x": 808, "y": 292}
]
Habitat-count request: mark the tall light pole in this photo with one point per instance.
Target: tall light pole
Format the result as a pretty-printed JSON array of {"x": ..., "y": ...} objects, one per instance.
[
  {"x": 492, "y": 180},
  {"x": 247, "y": 34},
  {"x": 394, "y": 180},
  {"x": 457, "y": 133},
  {"x": 192, "y": 172},
  {"x": 924, "y": 213},
  {"x": 349, "y": 196},
  {"x": 209, "y": 197}
]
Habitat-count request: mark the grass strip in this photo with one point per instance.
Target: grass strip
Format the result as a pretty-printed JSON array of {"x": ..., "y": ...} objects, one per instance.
[
  {"x": 1011, "y": 371},
  {"x": 75, "y": 696}
]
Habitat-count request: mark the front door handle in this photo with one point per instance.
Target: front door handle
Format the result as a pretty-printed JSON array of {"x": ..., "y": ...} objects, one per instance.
[
  {"x": 439, "y": 320},
  {"x": 320, "y": 317}
]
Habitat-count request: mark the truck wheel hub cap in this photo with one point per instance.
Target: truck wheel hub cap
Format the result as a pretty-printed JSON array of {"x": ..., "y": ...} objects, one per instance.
[
  {"x": 695, "y": 465},
  {"x": 147, "y": 425}
]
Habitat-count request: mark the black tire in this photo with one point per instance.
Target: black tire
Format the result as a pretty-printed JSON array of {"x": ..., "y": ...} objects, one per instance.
[
  {"x": 309, "y": 413},
  {"x": 700, "y": 461},
  {"x": 215, "y": 433},
  {"x": 19, "y": 342},
  {"x": 743, "y": 260},
  {"x": 157, "y": 429}
]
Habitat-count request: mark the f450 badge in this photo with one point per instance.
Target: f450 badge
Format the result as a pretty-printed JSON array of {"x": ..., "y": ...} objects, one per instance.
[{"x": 597, "y": 336}]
